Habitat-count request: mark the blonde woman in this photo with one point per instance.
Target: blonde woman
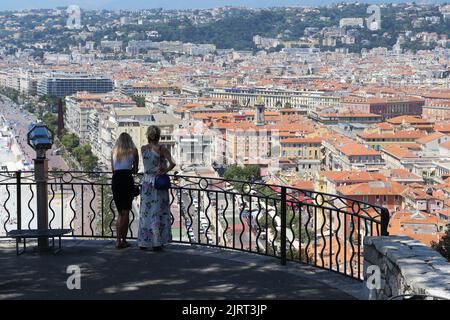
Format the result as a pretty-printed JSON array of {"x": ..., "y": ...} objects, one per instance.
[
  {"x": 124, "y": 162},
  {"x": 155, "y": 217}
]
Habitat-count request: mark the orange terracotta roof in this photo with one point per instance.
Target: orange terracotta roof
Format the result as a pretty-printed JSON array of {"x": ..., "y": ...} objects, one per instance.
[
  {"x": 437, "y": 94},
  {"x": 356, "y": 149},
  {"x": 408, "y": 119},
  {"x": 445, "y": 145},
  {"x": 442, "y": 127},
  {"x": 353, "y": 176},
  {"x": 405, "y": 222},
  {"x": 373, "y": 188},
  {"x": 302, "y": 140},
  {"x": 403, "y": 174},
  {"x": 430, "y": 138},
  {"x": 192, "y": 105},
  {"x": 384, "y": 126},
  {"x": 399, "y": 152},
  {"x": 410, "y": 146},
  {"x": 383, "y": 100},
  {"x": 302, "y": 184},
  {"x": 416, "y": 194},
  {"x": 350, "y": 115},
  {"x": 408, "y": 134}
]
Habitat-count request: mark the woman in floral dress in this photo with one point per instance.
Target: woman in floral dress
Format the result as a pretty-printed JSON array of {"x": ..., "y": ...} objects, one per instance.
[{"x": 155, "y": 217}]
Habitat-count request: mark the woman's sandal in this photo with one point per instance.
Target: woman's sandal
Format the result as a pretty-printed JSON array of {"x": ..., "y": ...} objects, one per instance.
[
  {"x": 126, "y": 244},
  {"x": 121, "y": 245}
]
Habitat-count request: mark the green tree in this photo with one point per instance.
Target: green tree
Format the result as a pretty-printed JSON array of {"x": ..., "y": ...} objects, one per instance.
[
  {"x": 10, "y": 93},
  {"x": 140, "y": 101},
  {"x": 70, "y": 141},
  {"x": 233, "y": 172},
  {"x": 443, "y": 246},
  {"x": 85, "y": 157},
  {"x": 51, "y": 121},
  {"x": 89, "y": 162},
  {"x": 244, "y": 173},
  {"x": 252, "y": 172}
]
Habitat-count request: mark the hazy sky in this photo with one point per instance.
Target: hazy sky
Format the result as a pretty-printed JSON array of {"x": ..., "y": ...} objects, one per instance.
[{"x": 167, "y": 4}]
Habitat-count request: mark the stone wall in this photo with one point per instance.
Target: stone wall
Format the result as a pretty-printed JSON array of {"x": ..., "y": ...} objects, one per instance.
[{"x": 406, "y": 267}]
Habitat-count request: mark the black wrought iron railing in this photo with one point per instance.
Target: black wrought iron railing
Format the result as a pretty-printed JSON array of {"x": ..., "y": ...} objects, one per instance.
[{"x": 288, "y": 223}]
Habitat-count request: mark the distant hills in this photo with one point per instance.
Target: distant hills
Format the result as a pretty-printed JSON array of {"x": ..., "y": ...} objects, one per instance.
[{"x": 169, "y": 4}]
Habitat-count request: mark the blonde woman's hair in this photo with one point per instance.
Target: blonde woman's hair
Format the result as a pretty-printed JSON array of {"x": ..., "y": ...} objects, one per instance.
[
  {"x": 124, "y": 146},
  {"x": 153, "y": 134}
]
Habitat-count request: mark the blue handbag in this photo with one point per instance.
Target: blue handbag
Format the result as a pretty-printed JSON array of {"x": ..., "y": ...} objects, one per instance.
[{"x": 162, "y": 181}]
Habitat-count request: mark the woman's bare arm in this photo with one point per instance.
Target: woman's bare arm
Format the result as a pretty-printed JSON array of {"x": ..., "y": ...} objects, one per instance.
[{"x": 166, "y": 154}]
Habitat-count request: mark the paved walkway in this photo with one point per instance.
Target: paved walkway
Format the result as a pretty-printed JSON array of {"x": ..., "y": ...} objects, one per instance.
[{"x": 180, "y": 272}]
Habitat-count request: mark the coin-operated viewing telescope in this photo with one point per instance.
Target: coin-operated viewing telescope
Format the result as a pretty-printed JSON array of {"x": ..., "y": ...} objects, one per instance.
[{"x": 40, "y": 138}]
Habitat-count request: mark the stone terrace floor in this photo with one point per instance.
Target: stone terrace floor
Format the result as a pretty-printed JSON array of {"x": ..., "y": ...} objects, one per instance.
[{"x": 180, "y": 272}]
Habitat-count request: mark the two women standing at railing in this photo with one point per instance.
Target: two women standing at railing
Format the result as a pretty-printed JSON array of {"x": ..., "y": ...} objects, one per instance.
[
  {"x": 124, "y": 162},
  {"x": 154, "y": 218}
]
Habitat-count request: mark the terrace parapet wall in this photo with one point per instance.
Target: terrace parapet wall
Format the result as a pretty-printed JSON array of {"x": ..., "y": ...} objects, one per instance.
[{"x": 405, "y": 266}]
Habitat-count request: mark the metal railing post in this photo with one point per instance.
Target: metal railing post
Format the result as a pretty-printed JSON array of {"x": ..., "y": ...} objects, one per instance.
[
  {"x": 283, "y": 225},
  {"x": 19, "y": 199},
  {"x": 384, "y": 221}
]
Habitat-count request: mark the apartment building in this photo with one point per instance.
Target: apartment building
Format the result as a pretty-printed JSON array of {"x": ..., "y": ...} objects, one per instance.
[
  {"x": 421, "y": 226},
  {"x": 329, "y": 181},
  {"x": 307, "y": 153},
  {"x": 351, "y": 22},
  {"x": 347, "y": 155},
  {"x": 83, "y": 110},
  {"x": 276, "y": 98},
  {"x": 408, "y": 122},
  {"x": 379, "y": 140},
  {"x": 142, "y": 89},
  {"x": 194, "y": 146},
  {"x": 432, "y": 142},
  {"x": 77, "y": 116},
  {"x": 437, "y": 111},
  {"x": 419, "y": 200},
  {"x": 22, "y": 80},
  {"x": 388, "y": 194},
  {"x": 387, "y": 107},
  {"x": 65, "y": 84},
  {"x": 337, "y": 118}
]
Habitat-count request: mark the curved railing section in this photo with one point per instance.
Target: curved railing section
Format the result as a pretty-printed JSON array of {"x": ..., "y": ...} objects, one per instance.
[{"x": 323, "y": 230}]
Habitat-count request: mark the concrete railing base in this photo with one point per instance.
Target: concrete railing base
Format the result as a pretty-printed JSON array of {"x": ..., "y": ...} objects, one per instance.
[{"x": 398, "y": 265}]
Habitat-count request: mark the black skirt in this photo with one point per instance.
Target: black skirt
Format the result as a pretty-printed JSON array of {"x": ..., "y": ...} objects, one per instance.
[{"x": 123, "y": 189}]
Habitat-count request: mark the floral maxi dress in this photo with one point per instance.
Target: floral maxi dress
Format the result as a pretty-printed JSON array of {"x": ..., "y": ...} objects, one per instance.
[{"x": 154, "y": 217}]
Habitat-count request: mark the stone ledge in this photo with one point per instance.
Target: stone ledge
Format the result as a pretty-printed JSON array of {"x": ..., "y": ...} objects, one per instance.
[{"x": 406, "y": 266}]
